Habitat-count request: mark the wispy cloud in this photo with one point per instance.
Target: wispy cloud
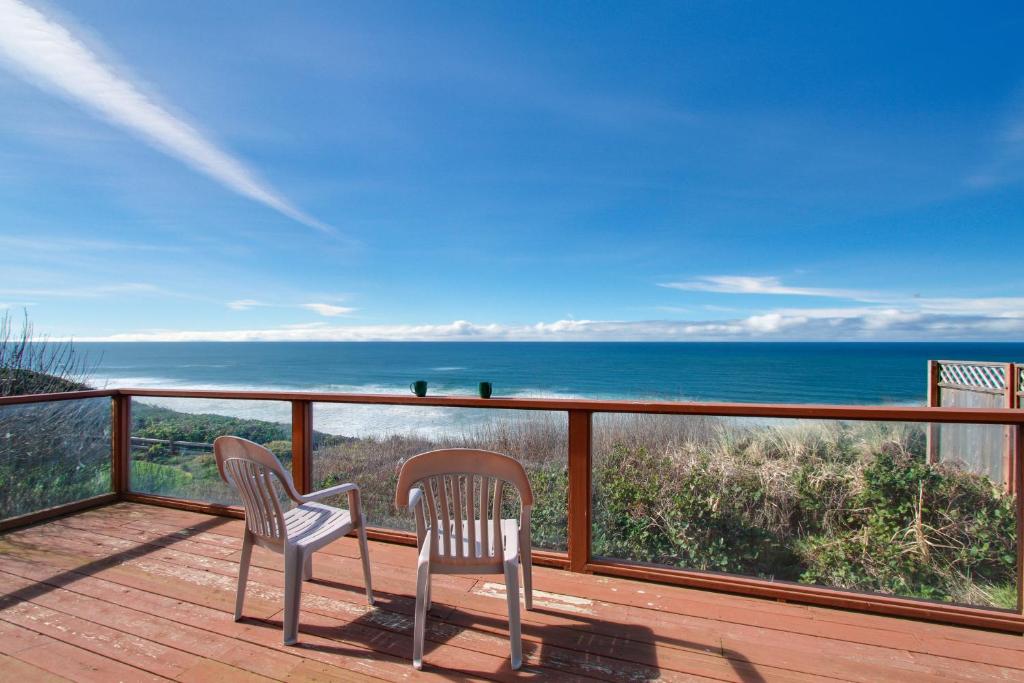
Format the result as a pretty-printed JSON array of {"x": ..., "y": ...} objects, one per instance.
[
  {"x": 84, "y": 292},
  {"x": 328, "y": 310},
  {"x": 50, "y": 244},
  {"x": 48, "y": 54},
  {"x": 747, "y": 284},
  {"x": 245, "y": 304}
]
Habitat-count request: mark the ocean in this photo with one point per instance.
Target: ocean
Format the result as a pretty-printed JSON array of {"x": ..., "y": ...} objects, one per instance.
[{"x": 838, "y": 373}]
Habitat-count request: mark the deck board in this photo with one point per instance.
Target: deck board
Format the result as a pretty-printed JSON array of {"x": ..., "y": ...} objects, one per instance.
[{"x": 136, "y": 592}]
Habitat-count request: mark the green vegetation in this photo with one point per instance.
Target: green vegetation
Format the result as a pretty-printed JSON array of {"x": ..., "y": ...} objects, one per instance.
[
  {"x": 53, "y": 453},
  {"x": 914, "y": 529},
  {"x": 850, "y": 505},
  {"x": 172, "y": 452},
  {"x": 153, "y": 422},
  {"x": 845, "y": 505}
]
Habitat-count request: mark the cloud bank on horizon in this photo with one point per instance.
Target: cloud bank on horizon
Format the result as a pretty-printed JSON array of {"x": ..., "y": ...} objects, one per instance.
[
  {"x": 943, "y": 319},
  {"x": 48, "y": 54}
]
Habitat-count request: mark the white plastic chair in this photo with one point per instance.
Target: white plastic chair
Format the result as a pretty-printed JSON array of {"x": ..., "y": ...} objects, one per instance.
[
  {"x": 450, "y": 492},
  {"x": 296, "y": 533}
]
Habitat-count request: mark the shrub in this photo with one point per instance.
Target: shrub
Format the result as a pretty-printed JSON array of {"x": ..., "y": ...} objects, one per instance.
[
  {"x": 53, "y": 453},
  {"x": 659, "y": 509},
  {"x": 153, "y": 422},
  {"x": 160, "y": 479},
  {"x": 918, "y": 529}
]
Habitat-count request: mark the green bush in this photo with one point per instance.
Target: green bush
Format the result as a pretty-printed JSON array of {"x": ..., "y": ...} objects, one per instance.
[
  {"x": 550, "y": 517},
  {"x": 152, "y": 422},
  {"x": 53, "y": 453},
  {"x": 921, "y": 530},
  {"x": 651, "y": 509},
  {"x": 848, "y": 505},
  {"x": 160, "y": 479}
]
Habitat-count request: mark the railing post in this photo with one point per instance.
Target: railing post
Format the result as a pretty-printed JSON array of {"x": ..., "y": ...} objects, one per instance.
[
  {"x": 934, "y": 401},
  {"x": 302, "y": 445},
  {"x": 580, "y": 422},
  {"x": 1009, "y": 451},
  {"x": 120, "y": 442},
  {"x": 1017, "y": 442}
]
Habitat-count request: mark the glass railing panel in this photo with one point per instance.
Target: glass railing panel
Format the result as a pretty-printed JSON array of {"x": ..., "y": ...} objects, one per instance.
[
  {"x": 367, "y": 444},
  {"x": 850, "y": 505},
  {"x": 53, "y": 453},
  {"x": 172, "y": 443}
]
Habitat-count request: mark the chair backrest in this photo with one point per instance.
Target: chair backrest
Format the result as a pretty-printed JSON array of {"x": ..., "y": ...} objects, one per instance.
[
  {"x": 251, "y": 469},
  {"x": 460, "y": 486}
]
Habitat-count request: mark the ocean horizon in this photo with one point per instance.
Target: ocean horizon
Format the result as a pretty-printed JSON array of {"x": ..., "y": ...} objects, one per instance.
[{"x": 750, "y": 372}]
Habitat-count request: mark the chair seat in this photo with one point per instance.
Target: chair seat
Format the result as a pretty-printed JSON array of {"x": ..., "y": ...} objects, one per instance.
[{"x": 312, "y": 525}]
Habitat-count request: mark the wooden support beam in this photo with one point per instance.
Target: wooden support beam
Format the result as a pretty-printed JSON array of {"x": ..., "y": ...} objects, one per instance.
[
  {"x": 120, "y": 443},
  {"x": 302, "y": 445},
  {"x": 934, "y": 401},
  {"x": 1017, "y": 443},
  {"x": 1009, "y": 451},
  {"x": 580, "y": 423}
]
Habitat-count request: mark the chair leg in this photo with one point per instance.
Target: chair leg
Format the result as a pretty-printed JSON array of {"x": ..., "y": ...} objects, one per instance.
[
  {"x": 364, "y": 552},
  {"x": 293, "y": 561},
  {"x": 307, "y": 567},
  {"x": 243, "y": 573},
  {"x": 420, "y": 624},
  {"x": 527, "y": 562},
  {"x": 514, "y": 629}
]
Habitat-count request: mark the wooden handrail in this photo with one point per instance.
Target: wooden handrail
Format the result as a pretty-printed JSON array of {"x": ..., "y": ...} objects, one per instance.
[
  {"x": 1001, "y": 416},
  {"x": 62, "y": 396}
]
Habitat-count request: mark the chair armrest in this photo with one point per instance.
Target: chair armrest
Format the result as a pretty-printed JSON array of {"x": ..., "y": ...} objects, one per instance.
[
  {"x": 416, "y": 506},
  {"x": 328, "y": 492}
]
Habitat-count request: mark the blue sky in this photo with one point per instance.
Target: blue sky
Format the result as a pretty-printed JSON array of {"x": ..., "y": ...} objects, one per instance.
[{"x": 384, "y": 170}]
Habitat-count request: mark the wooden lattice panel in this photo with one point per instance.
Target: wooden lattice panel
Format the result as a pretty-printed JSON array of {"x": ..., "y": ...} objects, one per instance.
[{"x": 972, "y": 376}]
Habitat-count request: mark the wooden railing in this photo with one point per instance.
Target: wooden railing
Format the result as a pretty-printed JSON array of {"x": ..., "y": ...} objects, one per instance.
[{"x": 580, "y": 412}]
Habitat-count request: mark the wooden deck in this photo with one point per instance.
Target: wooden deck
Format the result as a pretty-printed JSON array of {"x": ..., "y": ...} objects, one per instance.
[{"x": 134, "y": 592}]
